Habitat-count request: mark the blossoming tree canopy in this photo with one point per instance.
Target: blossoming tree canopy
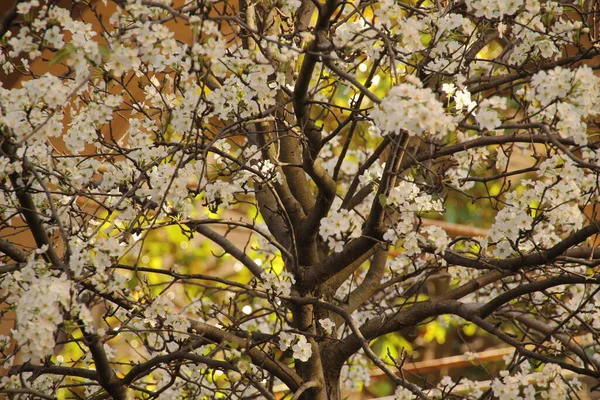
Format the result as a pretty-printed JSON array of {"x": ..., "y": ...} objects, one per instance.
[{"x": 307, "y": 156}]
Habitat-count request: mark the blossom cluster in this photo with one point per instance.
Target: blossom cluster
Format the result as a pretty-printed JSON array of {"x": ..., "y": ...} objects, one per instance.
[
  {"x": 554, "y": 200},
  {"x": 339, "y": 227},
  {"x": 570, "y": 97},
  {"x": 411, "y": 107},
  {"x": 301, "y": 348},
  {"x": 409, "y": 201}
]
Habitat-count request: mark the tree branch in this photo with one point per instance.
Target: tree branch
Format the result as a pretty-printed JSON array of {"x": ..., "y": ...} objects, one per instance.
[
  {"x": 363, "y": 343},
  {"x": 304, "y": 387},
  {"x": 483, "y": 141},
  {"x": 503, "y": 298},
  {"x": 143, "y": 369},
  {"x": 9, "y": 18},
  {"x": 321, "y": 272},
  {"x": 469, "y": 315},
  {"x": 537, "y": 258},
  {"x": 54, "y": 370},
  {"x": 27, "y": 208},
  {"x": 229, "y": 247},
  {"x": 106, "y": 376},
  {"x": 348, "y": 203},
  {"x": 370, "y": 285},
  {"x": 259, "y": 357},
  {"x": 588, "y": 54},
  {"x": 12, "y": 251},
  {"x": 193, "y": 223},
  {"x": 352, "y": 80},
  {"x": 549, "y": 329},
  {"x": 372, "y": 231}
]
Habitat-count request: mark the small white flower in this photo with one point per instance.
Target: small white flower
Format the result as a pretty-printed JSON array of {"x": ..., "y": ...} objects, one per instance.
[
  {"x": 448, "y": 88},
  {"x": 286, "y": 340},
  {"x": 233, "y": 376},
  {"x": 463, "y": 100},
  {"x": 446, "y": 382},
  {"x": 403, "y": 394},
  {"x": 501, "y": 29},
  {"x": 327, "y": 325},
  {"x": 302, "y": 349},
  {"x": 42, "y": 249}
]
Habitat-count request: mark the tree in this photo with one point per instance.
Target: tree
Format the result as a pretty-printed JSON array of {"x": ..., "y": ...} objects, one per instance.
[{"x": 331, "y": 139}]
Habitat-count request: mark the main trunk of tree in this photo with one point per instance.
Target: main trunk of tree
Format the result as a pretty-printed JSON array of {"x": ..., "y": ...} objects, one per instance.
[{"x": 332, "y": 383}]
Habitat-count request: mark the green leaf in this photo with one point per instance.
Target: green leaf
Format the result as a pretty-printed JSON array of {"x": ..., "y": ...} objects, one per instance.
[
  {"x": 434, "y": 330},
  {"x": 104, "y": 50},
  {"x": 470, "y": 329},
  {"x": 62, "y": 54},
  {"x": 383, "y": 200}
]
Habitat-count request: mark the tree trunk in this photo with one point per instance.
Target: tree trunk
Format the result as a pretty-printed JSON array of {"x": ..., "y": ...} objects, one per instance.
[{"x": 332, "y": 382}]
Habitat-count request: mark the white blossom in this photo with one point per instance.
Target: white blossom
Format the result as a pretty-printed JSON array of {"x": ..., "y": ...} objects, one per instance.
[
  {"x": 302, "y": 349},
  {"x": 411, "y": 107},
  {"x": 327, "y": 325}
]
